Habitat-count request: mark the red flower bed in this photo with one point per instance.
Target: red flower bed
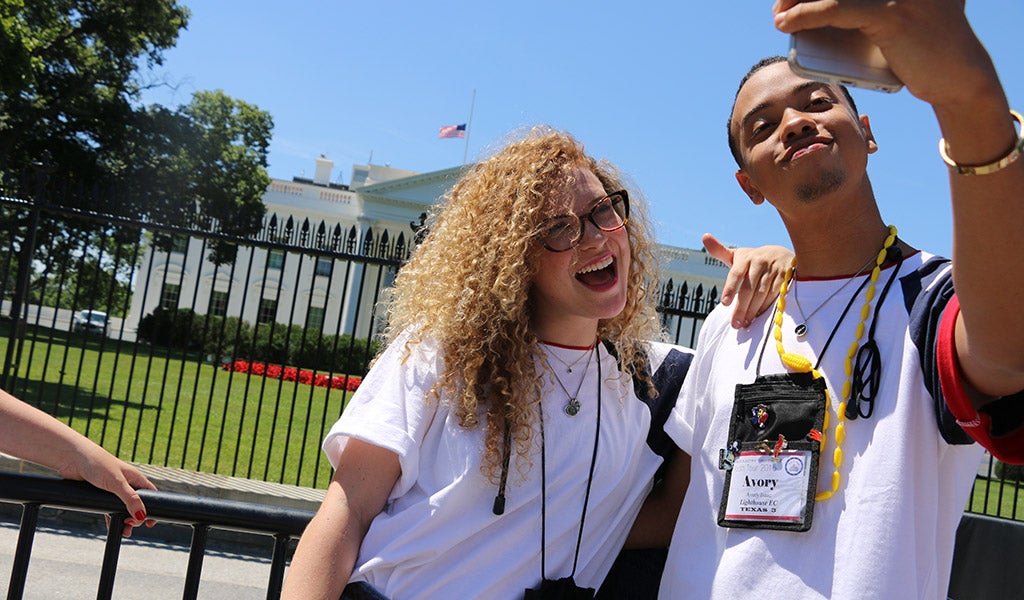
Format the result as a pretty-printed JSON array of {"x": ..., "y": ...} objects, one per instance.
[{"x": 338, "y": 382}]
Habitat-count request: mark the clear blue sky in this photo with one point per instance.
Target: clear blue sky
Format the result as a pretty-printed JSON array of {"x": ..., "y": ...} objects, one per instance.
[{"x": 646, "y": 85}]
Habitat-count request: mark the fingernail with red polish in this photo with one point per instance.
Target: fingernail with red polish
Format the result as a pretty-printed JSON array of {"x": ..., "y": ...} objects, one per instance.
[{"x": 140, "y": 516}]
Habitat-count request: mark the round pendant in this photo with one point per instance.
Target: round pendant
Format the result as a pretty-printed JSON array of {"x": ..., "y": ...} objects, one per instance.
[
  {"x": 572, "y": 407},
  {"x": 801, "y": 330}
]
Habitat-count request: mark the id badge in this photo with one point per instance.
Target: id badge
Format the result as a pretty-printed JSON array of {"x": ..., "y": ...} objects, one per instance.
[
  {"x": 771, "y": 459},
  {"x": 767, "y": 488}
]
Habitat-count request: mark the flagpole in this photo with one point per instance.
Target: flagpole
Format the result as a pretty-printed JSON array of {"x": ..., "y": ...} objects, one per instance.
[{"x": 469, "y": 127}]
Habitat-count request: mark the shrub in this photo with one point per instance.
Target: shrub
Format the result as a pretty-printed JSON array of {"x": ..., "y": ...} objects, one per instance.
[
  {"x": 1008, "y": 472},
  {"x": 172, "y": 328},
  {"x": 222, "y": 336},
  {"x": 266, "y": 344}
]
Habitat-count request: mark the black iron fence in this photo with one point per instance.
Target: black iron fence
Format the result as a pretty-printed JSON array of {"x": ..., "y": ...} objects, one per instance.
[
  {"x": 235, "y": 368},
  {"x": 683, "y": 310},
  {"x": 127, "y": 330}
]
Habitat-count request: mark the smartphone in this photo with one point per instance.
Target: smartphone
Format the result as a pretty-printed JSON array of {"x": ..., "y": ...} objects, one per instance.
[{"x": 844, "y": 56}]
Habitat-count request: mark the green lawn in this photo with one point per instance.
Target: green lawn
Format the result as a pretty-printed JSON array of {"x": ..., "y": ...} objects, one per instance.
[
  {"x": 149, "y": 405},
  {"x": 998, "y": 499}
]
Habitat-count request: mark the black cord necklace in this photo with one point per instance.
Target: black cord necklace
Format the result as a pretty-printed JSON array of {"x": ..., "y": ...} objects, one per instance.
[
  {"x": 868, "y": 368},
  {"x": 590, "y": 480}
]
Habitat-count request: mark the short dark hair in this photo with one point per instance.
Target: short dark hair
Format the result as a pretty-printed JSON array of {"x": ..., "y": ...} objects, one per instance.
[{"x": 764, "y": 62}]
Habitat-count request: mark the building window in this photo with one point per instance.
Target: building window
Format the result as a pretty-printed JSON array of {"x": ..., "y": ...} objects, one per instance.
[
  {"x": 268, "y": 311},
  {"x": 275, "y": 259},
  {"x": 179, "y": 244},
  {"x": 169, "y": 296},
  {"x": 324, "y": 266},
  {"x": 218, "y": 304},
  {"x": 315, "y": 318}
]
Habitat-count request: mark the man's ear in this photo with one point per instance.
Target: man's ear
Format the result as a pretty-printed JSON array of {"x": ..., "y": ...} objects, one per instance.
[
  {"x": 749, "y": 188},
  {"x": 865, "y": 125}
]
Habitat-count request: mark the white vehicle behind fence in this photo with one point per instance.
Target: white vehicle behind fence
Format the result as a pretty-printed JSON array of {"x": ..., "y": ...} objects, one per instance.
[{"x": 90, "y": 321}]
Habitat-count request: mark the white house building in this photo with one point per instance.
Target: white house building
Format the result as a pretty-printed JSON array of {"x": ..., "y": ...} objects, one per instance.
[{"x": 266, "y": 284}]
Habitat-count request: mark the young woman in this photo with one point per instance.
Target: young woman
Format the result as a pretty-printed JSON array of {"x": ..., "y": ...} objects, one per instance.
[{"x": 510, "y": 432}]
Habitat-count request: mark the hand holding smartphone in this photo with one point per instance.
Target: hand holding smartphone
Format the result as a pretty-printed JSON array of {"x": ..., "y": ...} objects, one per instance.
[{"x": 843, "y": 56}]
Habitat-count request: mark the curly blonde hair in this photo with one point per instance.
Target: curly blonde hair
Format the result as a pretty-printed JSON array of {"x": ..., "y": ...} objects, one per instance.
[{"x": 468, "y": 284}]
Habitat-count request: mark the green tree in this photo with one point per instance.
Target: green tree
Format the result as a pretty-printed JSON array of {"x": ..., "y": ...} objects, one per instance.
[
  {"x": 73, "y": 131},
  {"x": 231, "y": 164},
  {"x": 68, "y": 85},
  {"x": 205, "y": 163},
  {"x": 100, "y": 274},
  {"x": 69, "y": 78}
]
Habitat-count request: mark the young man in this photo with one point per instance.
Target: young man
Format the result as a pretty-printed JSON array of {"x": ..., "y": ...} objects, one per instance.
[{"x": 832, "y": 441}]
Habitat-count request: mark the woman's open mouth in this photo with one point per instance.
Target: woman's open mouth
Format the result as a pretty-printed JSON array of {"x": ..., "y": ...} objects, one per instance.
[{"x": 600, "y": 274}]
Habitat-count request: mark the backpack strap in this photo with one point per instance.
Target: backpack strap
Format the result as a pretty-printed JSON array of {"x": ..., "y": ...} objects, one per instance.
[{"x": 667, "y": 381}]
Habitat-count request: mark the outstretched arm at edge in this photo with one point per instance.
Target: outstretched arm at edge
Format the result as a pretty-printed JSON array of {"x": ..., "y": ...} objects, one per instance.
[
  {"x": 932, "y": 48},
  {"x": 31, "y": 434}
]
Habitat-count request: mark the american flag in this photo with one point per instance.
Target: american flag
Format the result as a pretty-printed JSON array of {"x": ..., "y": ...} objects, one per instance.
[{"x": 452, "y": 131}]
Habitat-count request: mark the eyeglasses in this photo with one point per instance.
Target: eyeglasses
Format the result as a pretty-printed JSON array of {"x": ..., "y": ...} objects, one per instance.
[{"x": 564, "y": 232}]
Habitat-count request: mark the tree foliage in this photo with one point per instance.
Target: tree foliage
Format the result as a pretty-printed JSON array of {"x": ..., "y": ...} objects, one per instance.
[
  {"x": 69, "y": 83},
  {"x": 73, "y": 129},
  {"x": 203, "y": 163}
]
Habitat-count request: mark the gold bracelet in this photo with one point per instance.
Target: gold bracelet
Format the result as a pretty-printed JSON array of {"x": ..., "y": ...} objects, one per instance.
[{"x": 996, "y": 165}]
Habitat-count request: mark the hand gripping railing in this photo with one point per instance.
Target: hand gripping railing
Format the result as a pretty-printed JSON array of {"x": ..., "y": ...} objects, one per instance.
[{"x": 33, "y": 491}]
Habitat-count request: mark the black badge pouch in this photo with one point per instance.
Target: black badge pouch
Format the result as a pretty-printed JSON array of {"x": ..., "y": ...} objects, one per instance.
[{"x": 774, "y": 435}]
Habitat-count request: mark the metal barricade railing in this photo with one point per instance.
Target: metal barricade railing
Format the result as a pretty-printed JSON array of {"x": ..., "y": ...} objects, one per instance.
[{"x": 202, "y": 514}]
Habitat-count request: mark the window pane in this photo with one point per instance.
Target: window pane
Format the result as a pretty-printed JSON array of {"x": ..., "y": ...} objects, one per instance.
[
  {"x": 169, "y": 296},
  {"x": 315, "y": 318},
  {"x": 324, "y": 266},
  {"x": 180, "y": 244},
  {"x": 218, "y": 304},
  {"x": 275, "y": 259},
  {"x": 268, "y": 310}
]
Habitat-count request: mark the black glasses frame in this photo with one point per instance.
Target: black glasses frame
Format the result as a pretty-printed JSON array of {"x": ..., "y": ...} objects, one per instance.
[{"x": 589, "y": 216}]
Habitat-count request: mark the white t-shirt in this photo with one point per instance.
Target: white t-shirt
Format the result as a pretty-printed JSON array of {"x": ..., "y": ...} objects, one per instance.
[
  {"x": 438, "y": 536},
  {"x": 889, "y": 530}
]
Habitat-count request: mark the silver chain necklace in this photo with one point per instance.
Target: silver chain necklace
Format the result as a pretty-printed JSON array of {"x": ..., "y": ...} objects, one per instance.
[
  {"x": 801, "y": 328},
  {"x": 572, "y": 407},
  {"x": 568, "y": 366}
]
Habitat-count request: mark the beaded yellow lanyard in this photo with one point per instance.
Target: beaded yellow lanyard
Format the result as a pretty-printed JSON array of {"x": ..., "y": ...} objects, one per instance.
[{"x": 801, "y": 364}]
